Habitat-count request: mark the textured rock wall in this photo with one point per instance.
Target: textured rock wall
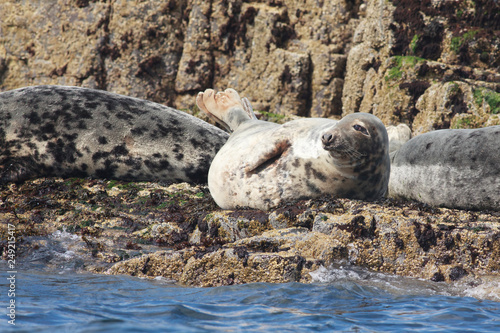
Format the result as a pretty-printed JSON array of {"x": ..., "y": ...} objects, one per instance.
[
  {"x": 286, "y": 56},
  {"x": 430, "y": 64}
]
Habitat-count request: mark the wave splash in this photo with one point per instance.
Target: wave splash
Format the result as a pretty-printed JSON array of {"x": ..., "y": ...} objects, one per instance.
[{"x": 487, "y": 288}]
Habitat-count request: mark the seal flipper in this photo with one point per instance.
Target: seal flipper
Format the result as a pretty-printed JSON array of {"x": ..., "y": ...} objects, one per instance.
[
  {"x": 248, "y": 108},
  {"x": 202, "y": 107},
  {"x": 268, "y": 157},
  {"x": 17, "y": 170},
  {"x": 226, "y": 108}
]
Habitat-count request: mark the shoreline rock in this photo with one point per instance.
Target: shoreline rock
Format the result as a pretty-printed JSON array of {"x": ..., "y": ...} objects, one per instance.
[{"x": 177, "y": 232}]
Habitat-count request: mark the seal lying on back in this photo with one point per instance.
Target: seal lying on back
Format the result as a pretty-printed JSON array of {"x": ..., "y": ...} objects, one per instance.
[
  {"x": 78, "y": 132},
  {"x": 451, "y": 168},
  {"x": 263, "y": 164}
]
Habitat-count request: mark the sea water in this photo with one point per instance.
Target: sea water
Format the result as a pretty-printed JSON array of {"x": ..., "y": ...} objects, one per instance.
[{"x": 343, "y": 299}]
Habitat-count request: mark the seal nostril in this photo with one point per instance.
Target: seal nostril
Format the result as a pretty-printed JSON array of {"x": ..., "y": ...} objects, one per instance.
[{"x": 327, "y": 138}]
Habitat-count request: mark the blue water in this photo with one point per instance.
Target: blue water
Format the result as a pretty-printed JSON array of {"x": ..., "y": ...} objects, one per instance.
[{"x": 351, "y": 302}]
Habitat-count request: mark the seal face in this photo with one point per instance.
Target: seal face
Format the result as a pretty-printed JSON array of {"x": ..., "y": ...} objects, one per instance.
[
  {"x": 79, "y": 132},
  {"x": 263, "y": 164},
  {"x": 456, "y": 168}
]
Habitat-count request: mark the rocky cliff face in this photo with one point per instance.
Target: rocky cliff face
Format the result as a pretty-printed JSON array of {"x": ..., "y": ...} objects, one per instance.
[{"x": 430, "y": 64}]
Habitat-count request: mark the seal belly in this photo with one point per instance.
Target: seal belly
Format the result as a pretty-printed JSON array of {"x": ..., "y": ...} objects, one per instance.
[{"x": 276, "y": 178}]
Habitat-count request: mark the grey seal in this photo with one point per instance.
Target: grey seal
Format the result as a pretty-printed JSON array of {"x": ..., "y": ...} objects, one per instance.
[
  {"x": 455, "y": 168},
  {"x": 264, "y": 164},
  {"x": 78, "y": 132}
]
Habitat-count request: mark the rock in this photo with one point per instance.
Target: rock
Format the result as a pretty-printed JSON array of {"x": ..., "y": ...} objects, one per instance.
[
  {"x": 398, "y": 56},
  {"x": 177, "y": 232},
  {"x": 360, "y": 57},
  {"x": 291, "y": 57},
  {"x": 385, "y": 239},
  {"x": 450, "y": 105},
  {"x": 234, "y": 225},
  {"x": 166, "y": 52},
  {"x": 327, "y": 83},
  {"x": 196, "y": 64}
]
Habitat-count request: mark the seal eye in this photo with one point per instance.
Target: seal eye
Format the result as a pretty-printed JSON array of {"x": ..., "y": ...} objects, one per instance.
[{"x": 361, "y": 129}]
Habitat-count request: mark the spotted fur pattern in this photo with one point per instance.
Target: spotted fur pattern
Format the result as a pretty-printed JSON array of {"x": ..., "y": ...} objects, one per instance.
[
  {"x": 79, "y": 132},
  {"x": 455, "y": 168},
  {"x": 264, "y": 164}
]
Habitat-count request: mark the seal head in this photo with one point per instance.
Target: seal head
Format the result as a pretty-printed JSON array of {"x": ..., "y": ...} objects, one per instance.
[{"x": 356, "y": 140}]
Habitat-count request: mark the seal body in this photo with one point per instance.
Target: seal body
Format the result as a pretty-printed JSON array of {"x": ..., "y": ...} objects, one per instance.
[
  {"x": 79, "y": 132},
  {"x": 457, "y": 168},
  {"x": 264, "y": 164}
]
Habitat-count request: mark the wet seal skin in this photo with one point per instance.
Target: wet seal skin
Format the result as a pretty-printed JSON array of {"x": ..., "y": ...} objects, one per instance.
[
  {"x": 264, "y": 164},
  {"x": 78, "y": 132},
  {"x": 454, "y": 168}
]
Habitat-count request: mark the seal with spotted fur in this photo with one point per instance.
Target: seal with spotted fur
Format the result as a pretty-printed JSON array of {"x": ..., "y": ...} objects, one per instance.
[
  {"x": 79, "y": 132},
  {"x": 264, "y": 164},
  {"x": 454, "y": 168}
]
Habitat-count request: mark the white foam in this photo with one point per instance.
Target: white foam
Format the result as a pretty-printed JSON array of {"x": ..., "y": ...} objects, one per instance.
[
  {"x": 326, "y": 275},
  {"x": 489, "y": 287},
  {"x": 64, "y": 235},
  {"x": 487, "y": 290},
  {"x": 65, "y": 255},
  {"x": 391, "y": 283}
]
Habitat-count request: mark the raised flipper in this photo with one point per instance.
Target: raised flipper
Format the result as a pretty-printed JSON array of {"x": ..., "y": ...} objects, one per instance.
[
  {"x": 248, "y": 108},
  {"x": 398, "y": 136},
  {"x": 226, "y": 108}
]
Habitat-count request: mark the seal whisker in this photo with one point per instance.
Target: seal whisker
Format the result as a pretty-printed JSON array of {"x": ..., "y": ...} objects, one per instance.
[{"x": 351, "y": 153}]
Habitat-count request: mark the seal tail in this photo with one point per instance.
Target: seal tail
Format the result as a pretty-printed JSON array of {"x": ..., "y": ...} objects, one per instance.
[{"x": 226, "y": 108}]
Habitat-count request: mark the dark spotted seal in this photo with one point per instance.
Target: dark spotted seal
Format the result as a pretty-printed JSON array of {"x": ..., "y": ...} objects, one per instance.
[
  {"x": 78, "y": 132},
  {"x": 450, "y": 168},
  {"x": 264, "y": 164}
]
